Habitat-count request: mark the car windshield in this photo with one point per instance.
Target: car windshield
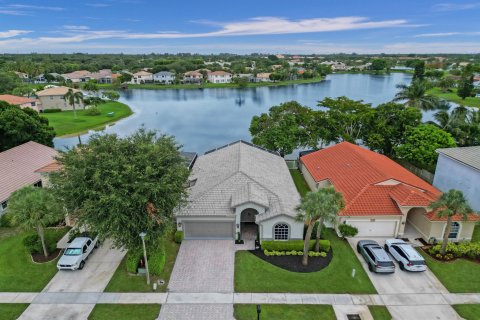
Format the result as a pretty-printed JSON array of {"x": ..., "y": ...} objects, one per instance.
[
  {"x": 418, "y": 263},
  {"x": 73, "y": 252}
]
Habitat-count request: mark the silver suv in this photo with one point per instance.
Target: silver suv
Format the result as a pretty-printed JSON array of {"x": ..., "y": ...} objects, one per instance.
[
  {"x": 408, "y": 258},
  {"x": 377, "y": 259}
]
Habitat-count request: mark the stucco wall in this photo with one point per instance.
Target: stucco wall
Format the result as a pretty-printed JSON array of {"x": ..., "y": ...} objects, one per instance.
[
  {"x": 466, "y": 230},
  {"x": 239, "y": 209},
  {"x": 266, "y": 227},
  {"x": 416, "y": 218},
  {"x": 451, "y": 174},
  {"x": 57, "y": 102},
  {"x": 341, "y": 219},
  {"x": 308, "y": 177}
]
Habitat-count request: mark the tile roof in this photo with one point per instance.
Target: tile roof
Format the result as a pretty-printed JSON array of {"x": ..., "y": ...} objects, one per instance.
[
  {"x": 15, "y": 100},
  {"x": 55, "y": 91},
  {"x": 238, "y": 173},
  {"x": 51, "y": 167},
  {"x": 467, "y": 155},
  {"x": 433, "y": 217},
  {"x": 18, "y": 165},
  {"x": 219, "y": 73},
  {"x": 142, "y": 73},
  {"x": 370, "y": 183}
]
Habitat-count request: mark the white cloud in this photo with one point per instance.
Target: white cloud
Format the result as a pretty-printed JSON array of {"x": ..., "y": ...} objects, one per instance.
[
  {"x": 13, "y": 12},
  {"x": 455, "y": 6},
  {"x": 445, "y": 34},
  {"x": 76, "y": 28},
  {"x": 12, "y": 33},
  {"x": 98, "y": 5},
  {"x": 26, "y": 6}
]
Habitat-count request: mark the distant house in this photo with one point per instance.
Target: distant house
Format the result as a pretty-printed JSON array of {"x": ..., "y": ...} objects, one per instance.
[
  {"x": 78, "y": 76},
  {"x": 103, "y": 76},
  {"x": 263, "y": 77},
  {"x": 18, "y": 168},
  {"x": 141, "y": 77},
  {"x": 23, "y": 76},
  {"x": 164, "y": 77},
  {"x": 53, "y": 98},
  {"x": 219, "y": 77},
  {"x": 249, "y": 76},
  {"x": 22, "y": 102},
  {"x": 459, "y": 168},
  {"x": 40, "y": 79},
  {"x": 276, "y": 66},
  {"x": 335, "y": 65},
  {"x": 195, "y": 77},
  {"x": 295, "y": 62}
]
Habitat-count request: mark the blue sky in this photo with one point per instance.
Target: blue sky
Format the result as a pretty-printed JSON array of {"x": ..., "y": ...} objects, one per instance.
[{"x": 302, "y": 26}]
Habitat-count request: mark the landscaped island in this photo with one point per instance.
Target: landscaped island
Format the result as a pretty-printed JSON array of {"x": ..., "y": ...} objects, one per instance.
[{"x": 64, "y": 122}]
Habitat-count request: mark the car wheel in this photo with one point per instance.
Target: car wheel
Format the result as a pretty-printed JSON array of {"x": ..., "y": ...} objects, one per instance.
[
  {"x": 402, "y": 267},
  {"x": 386, "y": 248},
  {"x": 370, "y": 267},
  {"x": 82, "y": 264}
]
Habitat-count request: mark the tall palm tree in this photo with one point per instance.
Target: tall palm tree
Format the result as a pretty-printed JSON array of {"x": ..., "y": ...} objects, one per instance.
[
  {"x": 321, "y": 205},
  {"x": 35, "y": 208},
  {"x": 448, "y": 205},
  {"x": 415, "y": 95},
  {"x": 73, "y": 97}
]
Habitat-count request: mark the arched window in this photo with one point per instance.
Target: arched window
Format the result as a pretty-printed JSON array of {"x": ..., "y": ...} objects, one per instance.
[
  {"x": 280, "y": 231},
  {"x": 455, "y": 228}
]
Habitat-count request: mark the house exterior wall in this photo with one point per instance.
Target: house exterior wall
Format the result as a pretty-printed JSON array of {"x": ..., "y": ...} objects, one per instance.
[
  {"x": 451, "y": 174},
  {"x": 266, "y": 228},
  {"x": 341, "y": 219},
  {"x": 239, "y": 209},
  {"x": 227, "y": 78},
  {"x": 57, "y": 102},
  {"x": 308, "y": 177},
  {"x": 416, "y": 218}
]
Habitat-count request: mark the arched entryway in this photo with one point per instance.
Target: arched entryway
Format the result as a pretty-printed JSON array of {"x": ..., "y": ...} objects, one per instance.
[
  {"x": 416, "y": 226},
  {"x": 248, "y": 227}
]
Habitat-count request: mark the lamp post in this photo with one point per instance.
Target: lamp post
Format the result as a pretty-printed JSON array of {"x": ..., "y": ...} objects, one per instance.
[
  {"x": 259, "y": 310},
  {"x": 142, "y": 235}
]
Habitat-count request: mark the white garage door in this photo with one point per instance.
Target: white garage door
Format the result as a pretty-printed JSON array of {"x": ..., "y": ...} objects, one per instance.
[
  {"x": 377, "y": 228},
  {"x": 209, "y": 229}
]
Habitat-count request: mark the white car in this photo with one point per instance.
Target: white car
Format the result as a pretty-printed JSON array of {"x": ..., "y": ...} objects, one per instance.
[
  {"x": 407, "y": 257},
  {"x": 77, "y": 252}
]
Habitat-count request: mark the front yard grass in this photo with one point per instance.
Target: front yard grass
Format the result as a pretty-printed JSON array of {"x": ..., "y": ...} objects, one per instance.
[
  {"x": 125, "y": 312},
  {"x": 459, "y": 276},
  {"x": 252, "y": 274},
  {"x": 284, "y": 312},
  {"x": 17, "y": 271},
  {"x": 124, "y": 282},
  {"x": 11, "y": 311},
  {"x": 380, "y": 313},
  {"x": 452, "y": 96},
  {"x": 468, "y": 311},
  {"x": 302, "y": 186}
]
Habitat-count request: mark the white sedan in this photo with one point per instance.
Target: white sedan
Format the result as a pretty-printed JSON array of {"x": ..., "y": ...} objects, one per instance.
[
  {"x": 407, "y": 257},
  {"x": 77, "y": 252}
]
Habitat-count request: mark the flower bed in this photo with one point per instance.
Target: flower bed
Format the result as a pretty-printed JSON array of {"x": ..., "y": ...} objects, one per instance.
[
  {"x": 466, "y": 250},
  {"x": 292, "y": 260}
]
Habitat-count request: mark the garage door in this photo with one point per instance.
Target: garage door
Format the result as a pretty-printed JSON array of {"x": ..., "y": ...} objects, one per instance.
[
  {"x": 208, "y": 229},
  {"x": 377, "y": 228}
]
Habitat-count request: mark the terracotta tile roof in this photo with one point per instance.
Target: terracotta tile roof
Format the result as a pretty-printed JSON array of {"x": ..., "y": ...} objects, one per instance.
[
  {"x": 51, "y": 167},
  {"x": 433, "y": 217},
  {"x": 18, "y": 165},
  {"x": 55, "y": 91},
  {"x": 142, "y": 73},
  {"x": 15, "y": 100},
  {"x": 409, "y": 196}
]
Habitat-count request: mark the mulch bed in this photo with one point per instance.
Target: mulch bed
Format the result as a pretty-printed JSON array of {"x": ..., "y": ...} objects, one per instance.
[
  {"x": 294, "y": 263},
  {"x": 40, "y": 258}
]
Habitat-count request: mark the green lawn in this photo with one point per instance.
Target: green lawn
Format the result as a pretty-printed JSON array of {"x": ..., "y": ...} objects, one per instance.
[
  {"x": 380, "y": 313},
  {"x": 468, "y": 311},
  {"x": 123, "y": 282},
  {"x": 476, "y": 233},
  {"x": 300, "y": 183},
  {"x": 459, "y": 276},
  {"x": 125, "y": 312},
  {"x": 11, "y": 311},
  {"x": 64, "y": 123},
  {"x": 252, "y": 274},
  {"x": 17, "y": 271},
  {"x": 284, "y": 312},
  {"x": 452, "y": 96}
]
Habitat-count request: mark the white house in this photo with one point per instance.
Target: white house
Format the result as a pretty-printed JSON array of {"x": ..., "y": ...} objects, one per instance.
[
  {"x": 193, "y": 77},
  {"x": 141, "y": 77},
  {"x": 219, "y": 77},
  {"x": 263, "y": 77},
  {"x": 164, "y": 77},
  {"x": 459, "y": 168},
  {"x": 240, "y": 188}
]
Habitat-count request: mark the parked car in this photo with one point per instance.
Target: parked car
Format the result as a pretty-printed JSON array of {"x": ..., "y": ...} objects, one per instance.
[
  {"x": 77, "y": 252},
  {"x": 376, "y": 257},
  {"x": 407, "y": 257}
]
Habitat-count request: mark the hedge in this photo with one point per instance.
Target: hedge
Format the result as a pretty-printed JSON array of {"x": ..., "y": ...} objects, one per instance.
[
  {"x": 469, "y": 250},
  {"x": 33, "y": 244},
  {"x": 296, "y": 245},
  {"x": 52, "y": 110},
  {"x": 178, "y": 236},
  {"x": 156, "y": 262},
  {"x": 133, "y": 257}
]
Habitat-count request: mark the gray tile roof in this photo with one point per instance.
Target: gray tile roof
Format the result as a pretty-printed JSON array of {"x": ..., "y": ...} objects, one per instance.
[
  {"x": 238, "y": 173},
  {"x": 467, "y": 155}
]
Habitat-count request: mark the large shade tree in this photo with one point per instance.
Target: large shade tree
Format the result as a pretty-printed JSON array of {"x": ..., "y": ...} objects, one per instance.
[
  {"x": 35, "y": 208},
  {"x": 123, "y": 186},
  {"x": 321, "y": 205},
  {"x": 448, "y": 205},
  {"x": 415, "y": 95}
]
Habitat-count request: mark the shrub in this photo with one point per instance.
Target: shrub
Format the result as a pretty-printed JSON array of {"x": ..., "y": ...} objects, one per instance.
[
  {"x": 52, "y": 110},
  {"x": 314, "y": 230},
  {"x": 179, "y": 236},
  {"x": 469, "y": 250},
  {"x": 92, "y": 111},
  {"x": 347, "y": 230},
  {"x": 293, "y": 253},
  {"x": 296, "y": 245},
  {"x": 133, "y": 257},
  {"x": 156, "y": 261},
  {"x": 6, "y": 220},
  {"x": 33, "y": 244}
]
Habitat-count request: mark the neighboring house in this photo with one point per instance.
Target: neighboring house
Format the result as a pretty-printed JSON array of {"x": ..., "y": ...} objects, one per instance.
[
  {"x": 219, "y": 77},
  {"x": 192, "y": 77},
  {"x": 295, "y": 62},
  {"x": 240, "y": 188},
  {"x": 249, "y": 76},
  {"x": 22, "y": 102},
  {"x": 459, "y": 168},
  {"x": 18, "y": 166},
  {"x": 53, "y": 98},
  {"x": 336, "y": 66},
  {"x": 141, "y": 77},
  {"x": 40, "y": 79},
  {"x": 78, "y": 76},
  {"x": 23, "y": 76},
  {"x": 276, "y": 66},
  {"x": 103, "y": 76},
  {"x": 382, "y": 198},
  {"x": 164, "y": 77},
  {"x": 263, "y": 77}
]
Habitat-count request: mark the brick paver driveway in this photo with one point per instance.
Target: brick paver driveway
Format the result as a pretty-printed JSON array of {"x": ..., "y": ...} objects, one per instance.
[{"x": 204, "y": 266}]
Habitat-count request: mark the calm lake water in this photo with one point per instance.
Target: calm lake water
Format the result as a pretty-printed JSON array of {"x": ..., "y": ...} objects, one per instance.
[{"x": 202, "y": 119}]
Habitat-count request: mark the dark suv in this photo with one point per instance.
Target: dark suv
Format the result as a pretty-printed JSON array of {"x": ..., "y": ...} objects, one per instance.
[{"x": 376, "y": 257}]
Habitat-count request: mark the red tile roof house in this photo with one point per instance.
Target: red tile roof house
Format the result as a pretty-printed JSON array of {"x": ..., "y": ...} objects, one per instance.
[
  {"x": 382, "y": 198},
  {"x": 18, "y": 168},
  {"x": 22, "y": 102}
]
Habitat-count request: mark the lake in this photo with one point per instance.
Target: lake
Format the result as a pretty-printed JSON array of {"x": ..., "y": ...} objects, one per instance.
[{"x": 202, "y": 119}]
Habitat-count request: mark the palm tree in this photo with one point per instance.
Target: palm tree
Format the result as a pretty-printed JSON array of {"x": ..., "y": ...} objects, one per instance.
[
  {"x": 415, "y": 95},
  {"x": 35, "y": 208},
  {"x": 321, "y": 205},
  {"x": 448, "y": 205},
  {"x": 73, "y": 97}
]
